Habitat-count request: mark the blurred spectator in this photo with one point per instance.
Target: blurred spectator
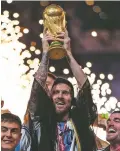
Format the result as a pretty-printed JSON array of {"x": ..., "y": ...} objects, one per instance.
[
  {"x": 113, "y": 132},
  {"x": 10, "y": 131}
]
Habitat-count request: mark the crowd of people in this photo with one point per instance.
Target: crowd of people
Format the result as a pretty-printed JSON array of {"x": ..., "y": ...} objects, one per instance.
[{"x": 55, "y": 120}]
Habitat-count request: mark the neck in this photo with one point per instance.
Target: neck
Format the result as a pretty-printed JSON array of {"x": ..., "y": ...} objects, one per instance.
[
  {"x": 115, "y": 147},
  {"x": 63, "y": 117}
]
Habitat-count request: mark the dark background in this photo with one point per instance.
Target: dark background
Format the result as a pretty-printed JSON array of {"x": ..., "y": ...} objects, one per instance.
[{"x": 103, "y": 51}]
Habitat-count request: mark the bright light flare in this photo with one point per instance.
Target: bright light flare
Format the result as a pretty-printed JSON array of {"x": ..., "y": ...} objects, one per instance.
[
  {"x": 52, "y": 69},
  {"x": 41, "y": 21},
  {"x": 110, "y": 76},
  {"x": 9, "y": 1},
  {"x": 26, "y": 30},
  {"x": 89, "y": 64},
  {"x": 66, "y": 71},
  {"x": 41, "y": 35},
  {"x": 15, "y": 15},
  {"x": 94, "y": 33},
  {"x": 102, "y": 76},
  {"x": 15, "y": 84}
]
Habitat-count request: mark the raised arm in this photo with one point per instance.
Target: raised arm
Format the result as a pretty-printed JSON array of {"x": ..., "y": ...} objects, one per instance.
[
  {"x": 75, "y": 67},
  {"x": 38, "y": 93},
  {"x": 84, "y": 100},
  {"x": 40, "y": 108},
  {"x": 42, "y": 72},
  {"x": 76, "y": 70}
]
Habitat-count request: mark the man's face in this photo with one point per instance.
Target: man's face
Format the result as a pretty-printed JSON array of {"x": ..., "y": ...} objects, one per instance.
[
  {"x": 113, "y": 128},
  {"x": 61, "y": 95},
  {"x": 49, "y": 82},
  {"x": 10, "y": 135}
]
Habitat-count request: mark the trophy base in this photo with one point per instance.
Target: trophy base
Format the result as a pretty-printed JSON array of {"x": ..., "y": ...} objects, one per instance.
[{"x": 56, "y": 53}]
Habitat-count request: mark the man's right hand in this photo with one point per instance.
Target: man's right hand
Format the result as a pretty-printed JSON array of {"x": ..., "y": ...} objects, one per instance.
[{"x": 47, "y": 37}]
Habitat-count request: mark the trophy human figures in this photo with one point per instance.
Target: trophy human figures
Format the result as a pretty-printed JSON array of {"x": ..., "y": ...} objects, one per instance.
[{"x": 54, "y": 22}]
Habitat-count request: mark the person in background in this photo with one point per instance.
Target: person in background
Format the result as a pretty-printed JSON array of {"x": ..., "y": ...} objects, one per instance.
[
  {"x": 10, "y": 131},
  {"x": 113, "y": 132}
]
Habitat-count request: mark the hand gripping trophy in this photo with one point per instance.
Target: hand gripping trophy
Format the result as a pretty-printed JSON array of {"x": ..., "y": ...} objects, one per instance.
[{"x": 54, "y": 22}]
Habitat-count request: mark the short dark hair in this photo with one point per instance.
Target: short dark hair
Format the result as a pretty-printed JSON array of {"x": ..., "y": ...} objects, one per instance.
[
  {"x": 52, "y": 75},
  {"x": 8, "y": 117},
  {"x": 65, "y": 81},
  {"x": 115, "y": 112}
]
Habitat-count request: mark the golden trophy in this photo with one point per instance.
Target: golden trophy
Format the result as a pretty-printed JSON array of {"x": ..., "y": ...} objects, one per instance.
[{"x": 54, "y": 22}]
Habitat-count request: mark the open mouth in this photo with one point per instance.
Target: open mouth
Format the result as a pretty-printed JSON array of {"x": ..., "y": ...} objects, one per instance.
[
  {"x": 7, "y": 141},
  {"x": 111, "y": 130},
  {"x": 60, "y": 103}
]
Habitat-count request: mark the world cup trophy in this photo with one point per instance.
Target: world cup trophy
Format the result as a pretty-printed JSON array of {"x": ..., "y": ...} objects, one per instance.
[{"x": 54, "y": 23}]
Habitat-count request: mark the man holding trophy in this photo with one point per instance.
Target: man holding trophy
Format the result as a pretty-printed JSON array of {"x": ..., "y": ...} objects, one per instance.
[{"x": 50, "y": 122}]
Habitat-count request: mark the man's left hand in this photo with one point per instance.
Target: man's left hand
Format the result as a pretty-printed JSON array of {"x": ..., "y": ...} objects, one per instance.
[{"x": 63, "y": 37}]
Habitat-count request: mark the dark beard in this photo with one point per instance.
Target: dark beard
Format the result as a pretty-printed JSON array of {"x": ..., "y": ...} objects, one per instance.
[{"x": 60, "y": 115}]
